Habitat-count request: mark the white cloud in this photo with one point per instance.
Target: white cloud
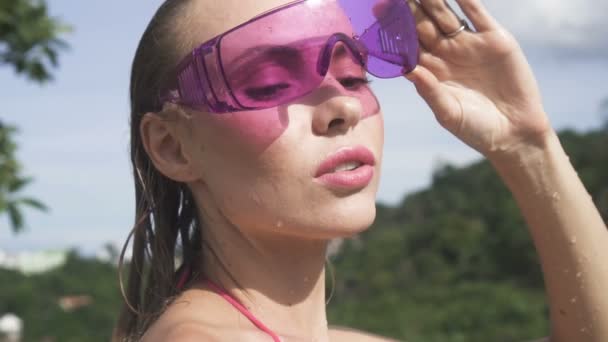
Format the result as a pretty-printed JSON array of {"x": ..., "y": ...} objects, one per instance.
[{"x": 575, "y": 27}]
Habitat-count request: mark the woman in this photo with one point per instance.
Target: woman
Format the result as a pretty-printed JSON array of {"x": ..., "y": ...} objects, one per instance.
[{"x": 266, "y": 142}]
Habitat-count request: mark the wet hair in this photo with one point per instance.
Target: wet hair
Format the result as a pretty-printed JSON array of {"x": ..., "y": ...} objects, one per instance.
[
  {"x": 167, "y": 227},
  {"x": 168, "y": 234}
]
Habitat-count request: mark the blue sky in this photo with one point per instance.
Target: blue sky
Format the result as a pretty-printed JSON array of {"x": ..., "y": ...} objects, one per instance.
[{"x": 74, "y": 131}]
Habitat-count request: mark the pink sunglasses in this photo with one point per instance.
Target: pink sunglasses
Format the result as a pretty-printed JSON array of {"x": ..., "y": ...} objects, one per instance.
[{"x": 285, "y": 53}]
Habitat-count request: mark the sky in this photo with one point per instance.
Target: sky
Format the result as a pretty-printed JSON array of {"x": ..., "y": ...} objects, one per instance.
[{"x": 73, "y": 132}]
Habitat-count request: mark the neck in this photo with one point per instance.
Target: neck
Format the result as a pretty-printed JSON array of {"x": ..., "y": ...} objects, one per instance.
[{"x": 280, "y": 279}]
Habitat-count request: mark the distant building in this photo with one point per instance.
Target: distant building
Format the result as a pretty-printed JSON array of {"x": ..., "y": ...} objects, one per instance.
[
  {"x": 11, "y": 328},
  {"x": 33, "y": 262},
  {"x": 71, "y": 303}
]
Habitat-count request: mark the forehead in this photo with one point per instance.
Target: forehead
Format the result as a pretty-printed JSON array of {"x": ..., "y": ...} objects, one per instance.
[{"x": 208, "y": 18}]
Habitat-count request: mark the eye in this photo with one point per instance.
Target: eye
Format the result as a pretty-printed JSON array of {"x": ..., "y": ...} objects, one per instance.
[
  {"x": 267, "y": 92},
  {"x": 353, "y": 83}
]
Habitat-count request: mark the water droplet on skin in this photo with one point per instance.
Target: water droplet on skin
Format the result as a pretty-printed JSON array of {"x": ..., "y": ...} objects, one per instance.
[
  {"x": 279, "y": 224},
  {"x": 555, "y": 196},
  {"x": 579, "y": 274},
  {"x": 573, "y": 241},
  {"x": 573, "y": 300}
]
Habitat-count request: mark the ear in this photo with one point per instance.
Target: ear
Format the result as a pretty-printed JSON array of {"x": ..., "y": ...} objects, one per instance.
[{"x": 165, "y": 147}]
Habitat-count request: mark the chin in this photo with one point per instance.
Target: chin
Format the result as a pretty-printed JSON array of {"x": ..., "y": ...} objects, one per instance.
[
  {"x": 354, "y": 214},
  {"x": 344, "y": 217}
]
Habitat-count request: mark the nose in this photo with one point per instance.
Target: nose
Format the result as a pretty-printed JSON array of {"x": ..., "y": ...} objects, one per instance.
[
  {"x": 336, "y": 115},
  {"x": 338, "y": 112}
]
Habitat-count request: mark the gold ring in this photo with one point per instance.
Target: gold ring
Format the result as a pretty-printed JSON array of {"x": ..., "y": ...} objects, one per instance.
[{"x": 464, "y": 25}]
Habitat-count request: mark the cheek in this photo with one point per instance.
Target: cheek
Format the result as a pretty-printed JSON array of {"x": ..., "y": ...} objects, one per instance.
[
  {"x": 229, "y": 149},
  {"x": 252, "y": 131}
]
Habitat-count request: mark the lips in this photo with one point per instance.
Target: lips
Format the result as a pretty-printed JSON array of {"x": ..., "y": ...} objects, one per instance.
[{"x": 349, "y": 155}]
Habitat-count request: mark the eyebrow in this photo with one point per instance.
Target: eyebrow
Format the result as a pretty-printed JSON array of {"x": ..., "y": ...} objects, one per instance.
[
  {"x": 288, "y": 52},
  {"x": 285, "y": 55}
]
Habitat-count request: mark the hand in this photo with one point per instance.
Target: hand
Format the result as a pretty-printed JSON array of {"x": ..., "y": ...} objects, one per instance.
[{"x": 478, "y": 84}]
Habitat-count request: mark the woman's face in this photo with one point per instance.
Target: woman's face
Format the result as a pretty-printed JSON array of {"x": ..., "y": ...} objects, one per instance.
[{"x": 258, "y": 169}]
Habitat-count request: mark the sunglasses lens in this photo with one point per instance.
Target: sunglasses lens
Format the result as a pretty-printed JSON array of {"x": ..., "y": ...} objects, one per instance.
[
  {"x": 387, "y": 29},
  {"x": 271, "y": 61},
  {"x": 281, "y": 55}
]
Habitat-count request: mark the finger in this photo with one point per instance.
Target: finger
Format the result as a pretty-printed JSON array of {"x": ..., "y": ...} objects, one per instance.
[
  {"x": 428, "y": 32},
  {"x": 445, "y": 18},
  {"x": 434, "y": 64},
  {"x": 442, "y": 103},
  {"x": 382, "y": 8},
  {"x": 478, "y": 15}
]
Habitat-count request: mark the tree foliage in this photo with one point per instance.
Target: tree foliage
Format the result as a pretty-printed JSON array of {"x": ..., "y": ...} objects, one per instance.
[
  {"x": 29, "y": 38},
  {"x": 29, "y": 42},
  {"x": 35, "y": 299},
  {"x": 12, "y": 182}
]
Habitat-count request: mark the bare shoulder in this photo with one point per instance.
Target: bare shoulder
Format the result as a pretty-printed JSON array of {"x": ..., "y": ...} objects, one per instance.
[
  {"x": 339, "y": 334},
  {"x": 182, "y": 332},
  {"x": 200, "y": 315},
  {"x": 196, "y": 332},
  {"x": 183, "y": 320}
]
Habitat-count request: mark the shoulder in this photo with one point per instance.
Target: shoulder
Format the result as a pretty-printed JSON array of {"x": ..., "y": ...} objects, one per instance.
[
  {"x": 182, "y": 332},
  {"x": 199, "y": 315},
  {"x": 196, "y": 332},
  {"x": 188, "y": 318},
  {"x": 339, "y": 334}
]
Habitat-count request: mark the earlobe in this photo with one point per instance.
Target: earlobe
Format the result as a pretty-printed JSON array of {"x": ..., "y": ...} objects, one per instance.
[{"x": 165, "y": 148}]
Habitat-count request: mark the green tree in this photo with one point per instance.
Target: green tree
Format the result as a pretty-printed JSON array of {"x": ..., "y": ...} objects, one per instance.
[
  {"x": 12, "y": 182},
  {"x": 29, "y": 43},
  {"x": 35, "y": 299}
]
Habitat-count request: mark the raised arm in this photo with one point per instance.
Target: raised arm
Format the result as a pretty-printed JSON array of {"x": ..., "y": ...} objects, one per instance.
[
  {"x": 481, "y": 88},
  {"x": 569, "y": 235}
]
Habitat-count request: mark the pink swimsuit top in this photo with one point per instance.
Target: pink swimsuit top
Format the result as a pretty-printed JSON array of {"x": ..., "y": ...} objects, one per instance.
[
  {"x": 243, "y": 310},
  {"x": 234, "y": 302}
]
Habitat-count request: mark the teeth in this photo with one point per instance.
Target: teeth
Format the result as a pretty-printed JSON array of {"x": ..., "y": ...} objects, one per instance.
[{"x": 347, "y": 166}]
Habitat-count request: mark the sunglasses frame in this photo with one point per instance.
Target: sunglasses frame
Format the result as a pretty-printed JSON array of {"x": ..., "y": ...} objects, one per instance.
[{"x": 187, "y": 71}]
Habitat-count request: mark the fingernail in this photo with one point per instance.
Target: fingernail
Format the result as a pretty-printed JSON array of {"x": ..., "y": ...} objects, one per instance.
[{"x": 409, "y": 75}]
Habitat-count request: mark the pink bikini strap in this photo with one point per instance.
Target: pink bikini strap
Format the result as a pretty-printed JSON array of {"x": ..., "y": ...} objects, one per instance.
[
  {"x": 184, "y": 273},
  {"x": 243, "y": 310}
]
